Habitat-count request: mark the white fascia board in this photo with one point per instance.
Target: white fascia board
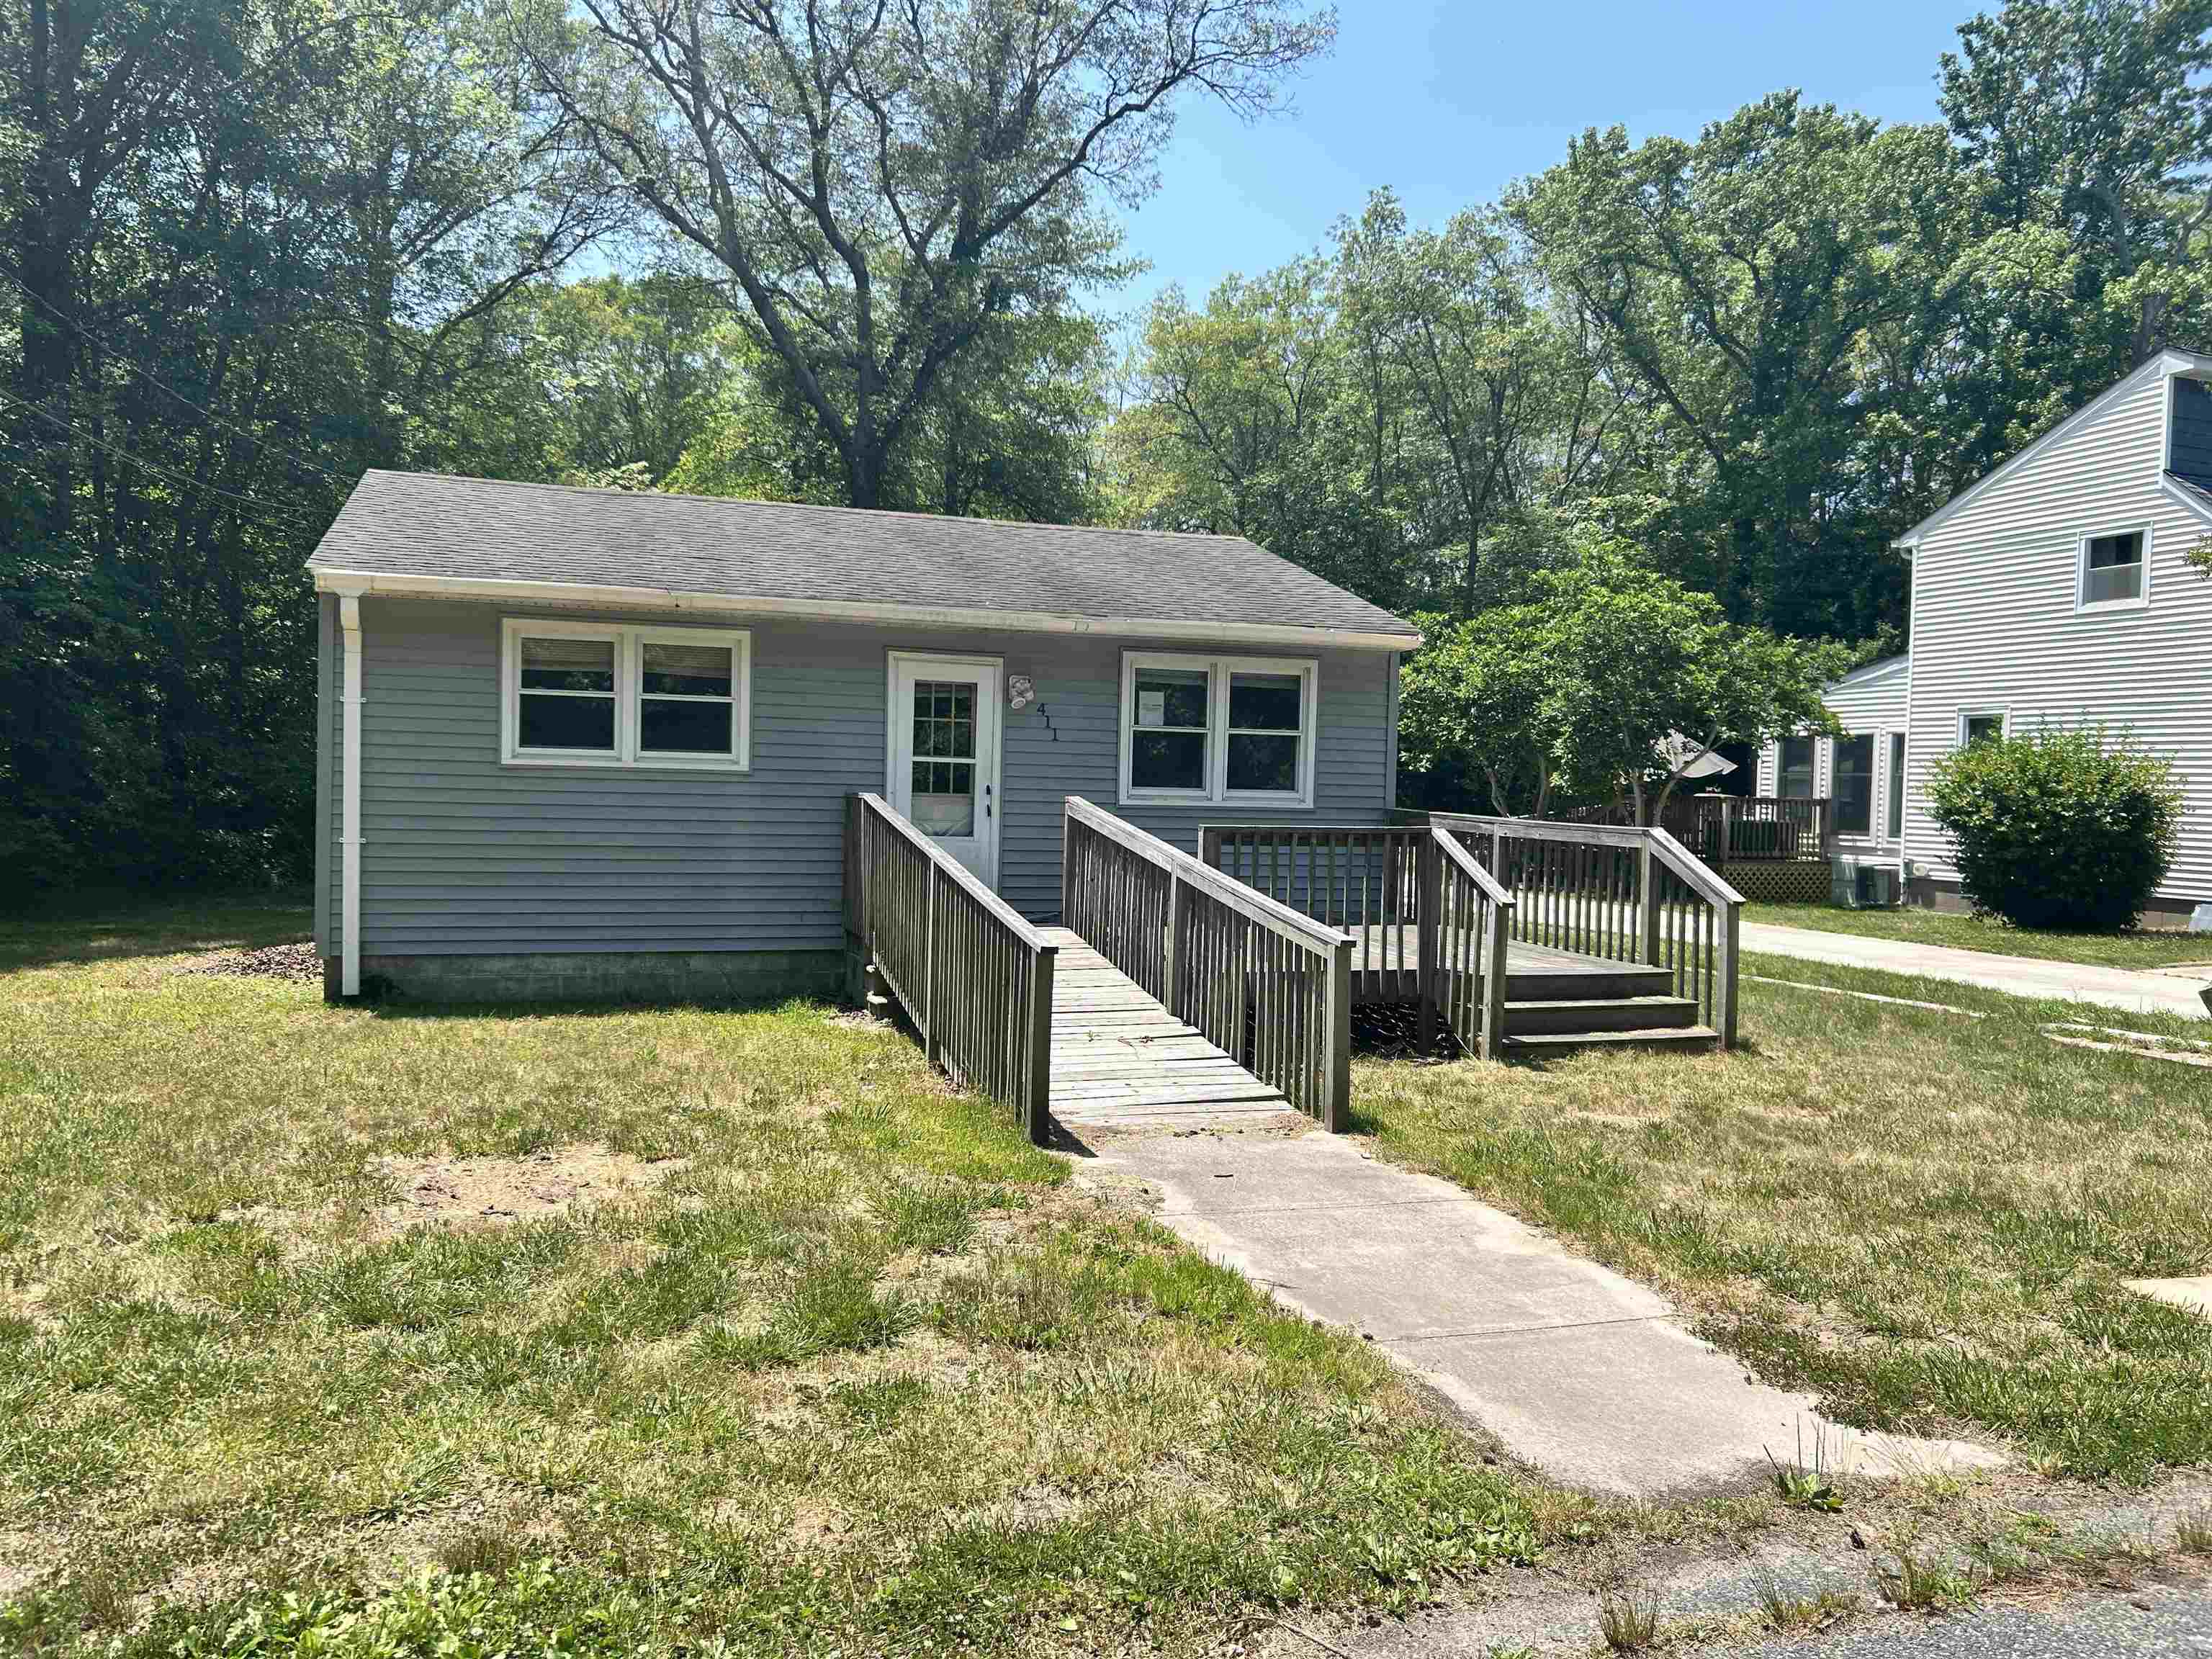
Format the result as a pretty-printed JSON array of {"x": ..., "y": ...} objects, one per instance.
[
  {"x": 2171, "y": 362},
  {"x": 2189, "y": 498},
  {"x": 928, "y": 616}
]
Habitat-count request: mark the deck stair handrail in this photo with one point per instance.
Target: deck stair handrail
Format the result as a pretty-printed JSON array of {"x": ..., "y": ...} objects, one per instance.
[
  {"x": 974, "y": 977},
  {"x": 1265, "y": 984},
  {"x": 1621, "y": 893},
  {"x": 1426, "y": 918}
]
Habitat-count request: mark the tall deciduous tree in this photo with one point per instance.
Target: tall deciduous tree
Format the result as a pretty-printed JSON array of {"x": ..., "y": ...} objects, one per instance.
[
  {"x": 1738, "y": 279},
  {"x": 2093, "y": 117},
  {"x": 881, "y": 181}
]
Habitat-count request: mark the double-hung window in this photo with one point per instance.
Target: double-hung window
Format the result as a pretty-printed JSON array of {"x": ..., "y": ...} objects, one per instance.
[
  {"x": 602, "y": 694},
  {"x": 1896, "y": 785},
  {"x": 1794, "y": 772},
  {"x": 1214, "y": 729},
  {"x": 2114, "y": 571},
  {"x": 1853, "y": 785}
]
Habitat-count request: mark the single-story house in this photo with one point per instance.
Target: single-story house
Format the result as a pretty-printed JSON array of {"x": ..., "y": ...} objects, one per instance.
[
  {"x": 2055, "y": 591},
  {"x": 582, "y": 742}
]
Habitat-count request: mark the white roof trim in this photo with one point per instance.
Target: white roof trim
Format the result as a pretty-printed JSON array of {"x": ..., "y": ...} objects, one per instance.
[
  {"x": 927, "y": 615},
  {"x": 2193, "y": 500},
  {"x": 2167, "y": 363},
  {"x": 1867, "y": 673}
]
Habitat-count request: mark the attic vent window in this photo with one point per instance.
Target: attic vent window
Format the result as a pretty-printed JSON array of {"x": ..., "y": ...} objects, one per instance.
[{"x": 2114, "y": 570}]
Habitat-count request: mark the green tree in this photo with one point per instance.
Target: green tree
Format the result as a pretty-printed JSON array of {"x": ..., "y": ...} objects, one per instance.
[
  {"x": 883, "y": 183},
  {"x": 1737, "y": 280},
  {"x": 2092, "y": 119},
  {"x": 1472, "y": 705}
]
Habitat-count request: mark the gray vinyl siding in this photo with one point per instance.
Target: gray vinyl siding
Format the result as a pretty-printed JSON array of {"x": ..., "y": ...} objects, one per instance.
[
  {"x": 464, "y": 855},
  {"x": 1995, "y": 624},
  {"x": 1870, "y": 703}
]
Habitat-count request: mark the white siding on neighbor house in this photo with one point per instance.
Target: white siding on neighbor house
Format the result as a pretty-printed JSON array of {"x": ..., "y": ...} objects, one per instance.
[
  {"x": 1870, "y": 702},
  {"x": 1995, "y": 623},
  {"x": 462, "y": 854}
]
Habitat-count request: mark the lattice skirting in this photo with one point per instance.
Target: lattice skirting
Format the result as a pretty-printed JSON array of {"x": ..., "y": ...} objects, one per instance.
[{"x": 1779, "y": 881}]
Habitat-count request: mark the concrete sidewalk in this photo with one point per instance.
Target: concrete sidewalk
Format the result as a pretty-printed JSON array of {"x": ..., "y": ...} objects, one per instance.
[
  {"x": 1576, "y": 1369},
  {"x": 2136, "y": 989}
]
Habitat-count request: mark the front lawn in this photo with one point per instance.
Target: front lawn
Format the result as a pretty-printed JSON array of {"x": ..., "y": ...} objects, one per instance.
[
  {"x": 1923, "y": 1218},
  {"x": 2137, "y": 948},
  {"x": 424, "y": 1330}
]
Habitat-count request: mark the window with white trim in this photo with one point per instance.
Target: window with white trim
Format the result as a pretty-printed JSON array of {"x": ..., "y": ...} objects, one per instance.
[
  {"x": 603, "y": 694},
  {"x": 1980, "y": 725},
  {"x": 2115, "y": 570},
  {"x": 1214, "y": 729}
]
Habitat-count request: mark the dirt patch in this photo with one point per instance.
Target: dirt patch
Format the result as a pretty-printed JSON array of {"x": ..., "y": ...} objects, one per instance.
[
  {"x": 497, "y": 1191},
  {"x": 298, "y": 962}
]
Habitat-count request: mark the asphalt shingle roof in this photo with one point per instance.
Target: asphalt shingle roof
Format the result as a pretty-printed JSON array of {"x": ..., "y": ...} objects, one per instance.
[{"x": 412, "y": 524}]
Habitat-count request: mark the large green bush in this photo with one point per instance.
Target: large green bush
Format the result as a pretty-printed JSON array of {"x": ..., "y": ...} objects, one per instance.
[{"x": 2059, "y": 828}]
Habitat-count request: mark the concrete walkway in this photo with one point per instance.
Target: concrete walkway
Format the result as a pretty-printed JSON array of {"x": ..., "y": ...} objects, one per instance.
[
  {"x": 2138, "y": 990},
  {"x": 1576, "y": 1369}
]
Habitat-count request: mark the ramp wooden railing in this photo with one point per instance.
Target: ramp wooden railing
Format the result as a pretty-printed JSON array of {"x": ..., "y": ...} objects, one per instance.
[
  {"x": 1425, "y": 918},
  {"x": 1266, "y": 985},
  {"x": 1619, "y": 894},
  {"x": 1466, "y": 920},
  {"x": 974, "y": 977}
]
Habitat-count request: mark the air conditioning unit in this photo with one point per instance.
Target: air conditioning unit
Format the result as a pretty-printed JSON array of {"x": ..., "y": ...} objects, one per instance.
[
  {"x": 1843, "y": 882},
  {"x": 1862, "y": 884},
  {"x": 1877, "y": 886}
]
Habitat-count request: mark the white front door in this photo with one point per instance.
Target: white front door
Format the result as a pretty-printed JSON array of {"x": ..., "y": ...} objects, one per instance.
[{"x": 943, "y": 747}]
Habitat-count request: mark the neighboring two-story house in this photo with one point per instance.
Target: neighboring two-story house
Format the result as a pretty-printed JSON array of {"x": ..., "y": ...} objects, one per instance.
[{"x": 2055, "y": 591}]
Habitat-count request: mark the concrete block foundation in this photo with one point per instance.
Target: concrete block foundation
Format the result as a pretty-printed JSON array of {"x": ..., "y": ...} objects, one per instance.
[{"x": 601, "y": 976}]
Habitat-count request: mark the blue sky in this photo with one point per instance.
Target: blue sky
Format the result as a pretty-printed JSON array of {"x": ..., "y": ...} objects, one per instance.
[{"x": 1448, "y": 101}]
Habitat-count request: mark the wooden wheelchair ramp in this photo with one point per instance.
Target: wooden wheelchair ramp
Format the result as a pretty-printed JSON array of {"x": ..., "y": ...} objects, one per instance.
[{"x": 1118, "y": 1056}]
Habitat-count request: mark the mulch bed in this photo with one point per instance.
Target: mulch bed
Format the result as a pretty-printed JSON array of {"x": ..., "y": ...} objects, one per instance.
[{"x": 298, "y": 963}]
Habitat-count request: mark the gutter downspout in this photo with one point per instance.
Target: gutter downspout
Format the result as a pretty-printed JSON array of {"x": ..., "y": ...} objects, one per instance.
[{"x": 349, "y": 833}]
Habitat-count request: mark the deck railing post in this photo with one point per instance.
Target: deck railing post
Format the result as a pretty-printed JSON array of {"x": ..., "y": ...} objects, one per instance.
[
  {"x": 1494, "y": 984},
  {"x": 1728, "y": 829},
  {"x": 929, "y": 967},
  {"x": 1040, "y": 1025},
  {"x": 1728, "y": 931},
  {"x": 1647, "y": 892},
  {"x": 1427, "y": 922},
  {"x": 1171, "y": 950},
  {"x": 1336, "y": 1107}
]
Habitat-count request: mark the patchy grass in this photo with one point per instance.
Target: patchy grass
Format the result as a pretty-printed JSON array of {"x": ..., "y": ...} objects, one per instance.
[
  {"x": 1925, "y": 1221},
  {"x": 812, "y": 1354},
  {"x": 2138, "y": 948}
]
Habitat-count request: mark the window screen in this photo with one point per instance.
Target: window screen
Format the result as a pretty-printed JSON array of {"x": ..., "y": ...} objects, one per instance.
[
  {"x": 1169, "y": 724},
  {"x": 1854, "y": 786},
  {"x": 566, "y": 694},
  {"x": 1796, "y": 779},
  {"x": 2113, "y": 569}
]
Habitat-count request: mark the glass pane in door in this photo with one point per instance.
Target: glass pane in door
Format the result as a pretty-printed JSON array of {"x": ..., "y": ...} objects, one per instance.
[{"x": 944, "y": 775}]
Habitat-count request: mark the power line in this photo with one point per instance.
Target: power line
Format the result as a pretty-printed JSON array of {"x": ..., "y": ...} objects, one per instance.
[
  {"x": 168, "y": 390},
  {"x": 182, "y": 481}
]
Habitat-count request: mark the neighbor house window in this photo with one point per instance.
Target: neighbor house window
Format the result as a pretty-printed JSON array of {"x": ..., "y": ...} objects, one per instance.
[
  {"x": 1216, "y": 729},
  {"x": 1980, "y": 725},
  {"x": 1896, "y": 785},
  {"x": 2115, "y": 569},
  {"x": 1793, "y": 777},
  {"x": 1854, "y": 786},
  {"x": 600, "y": 694}
]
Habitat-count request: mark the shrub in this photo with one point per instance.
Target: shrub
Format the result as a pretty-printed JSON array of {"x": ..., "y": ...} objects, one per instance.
[{"x": 2057, "y": 829}]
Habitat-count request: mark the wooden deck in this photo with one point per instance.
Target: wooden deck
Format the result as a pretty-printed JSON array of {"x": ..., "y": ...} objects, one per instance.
[
  {"x": 1118, "y": 1056},
  {"x": 1385, "y": 958}
]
